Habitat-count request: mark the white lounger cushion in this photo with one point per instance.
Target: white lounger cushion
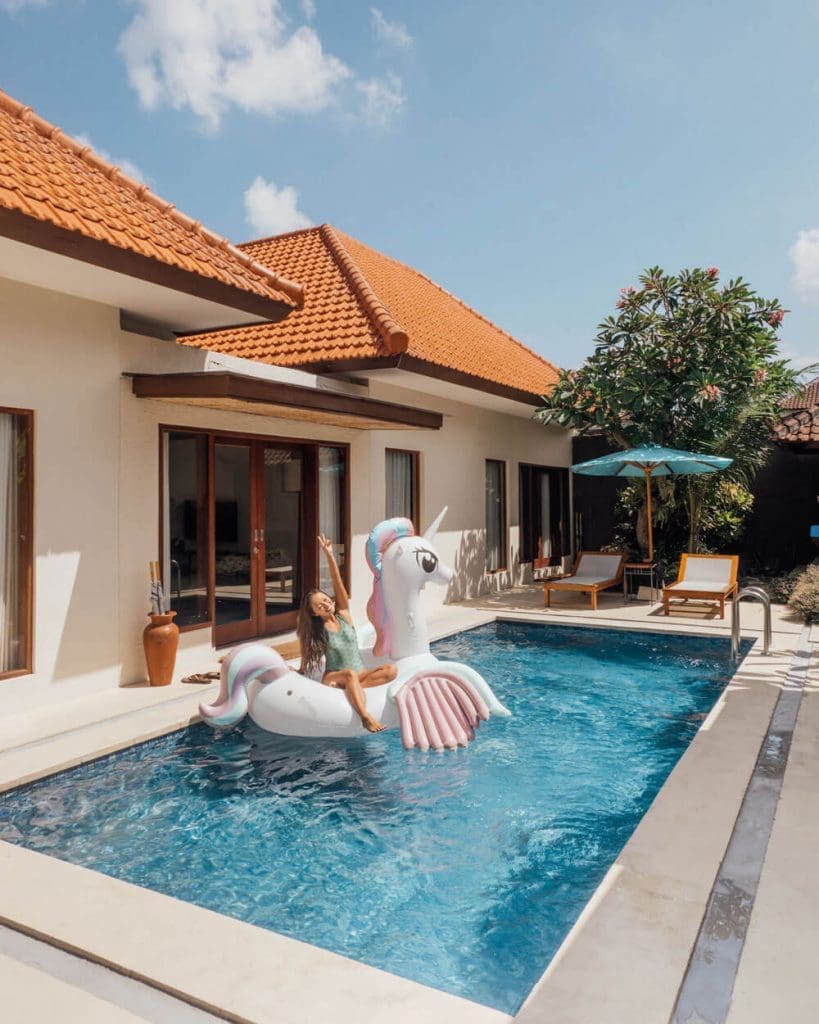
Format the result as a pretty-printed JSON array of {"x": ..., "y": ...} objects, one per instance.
[
  {"x": 587, "y": 580},
  {"x": 596, "y": 568},
  {"x": 706, "y": 570},
  {"x": 709, "y": 586}
]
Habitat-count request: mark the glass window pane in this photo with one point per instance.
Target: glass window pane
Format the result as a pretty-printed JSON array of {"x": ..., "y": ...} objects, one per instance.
[
  {"x": 543, "y": 511},
  {"x": 282, "y": 529},
  {"x": 400, "y": 484},
  {"x": 231, "y": 528},
  {"x": 495, "y": 514},
  {"x": 332, "y": 500},
  {"x": 186, "y": 530},
  {"x": 15, "y": 541}
]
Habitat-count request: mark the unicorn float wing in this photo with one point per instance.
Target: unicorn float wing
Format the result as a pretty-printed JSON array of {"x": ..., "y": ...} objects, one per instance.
[{"x": 436, "y": 704}]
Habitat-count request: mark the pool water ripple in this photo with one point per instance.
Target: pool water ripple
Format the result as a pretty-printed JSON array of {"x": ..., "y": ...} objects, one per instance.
[{"x": 462, "y": 871}]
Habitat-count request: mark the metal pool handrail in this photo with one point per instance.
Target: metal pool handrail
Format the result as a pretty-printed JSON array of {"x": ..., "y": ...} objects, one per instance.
[{"x": 754, "y": 594}]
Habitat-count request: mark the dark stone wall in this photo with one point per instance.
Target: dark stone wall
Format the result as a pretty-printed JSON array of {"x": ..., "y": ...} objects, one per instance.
[
  {"x": 594, "y": 496},
  {"x": 786, "y": 505}
]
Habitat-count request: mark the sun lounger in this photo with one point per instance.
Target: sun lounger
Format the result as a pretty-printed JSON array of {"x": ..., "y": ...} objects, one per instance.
[
  {"x": 594, "y": 571},
  {"x": 704, "y": 578}
]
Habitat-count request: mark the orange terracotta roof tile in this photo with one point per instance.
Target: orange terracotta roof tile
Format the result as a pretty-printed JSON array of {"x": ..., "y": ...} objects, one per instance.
[
  {"x": 805, "y": 398},
  {"x": 50, "y": 178},
  {"x": 800, "y": 425},
  {"x": 364, "y": 307}
]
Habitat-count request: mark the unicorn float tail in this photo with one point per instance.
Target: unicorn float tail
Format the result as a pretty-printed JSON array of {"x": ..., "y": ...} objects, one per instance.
[
  {"x": 439, "y": 709},
  {"x": 240, "y": 668}
]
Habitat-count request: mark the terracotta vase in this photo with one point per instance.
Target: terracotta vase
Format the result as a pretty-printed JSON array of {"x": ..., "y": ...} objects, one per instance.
[{"x": 160, "y": 638}]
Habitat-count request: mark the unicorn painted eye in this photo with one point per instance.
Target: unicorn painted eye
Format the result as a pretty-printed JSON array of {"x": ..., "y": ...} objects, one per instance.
[{"x": 427, "y": 560}]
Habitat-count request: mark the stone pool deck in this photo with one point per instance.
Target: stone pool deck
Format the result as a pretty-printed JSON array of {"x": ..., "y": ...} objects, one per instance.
[{"x": 76, "y": 945}]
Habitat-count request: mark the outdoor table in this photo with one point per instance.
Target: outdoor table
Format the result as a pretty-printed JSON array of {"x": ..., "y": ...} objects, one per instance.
[{"x": 642, "y": 571}]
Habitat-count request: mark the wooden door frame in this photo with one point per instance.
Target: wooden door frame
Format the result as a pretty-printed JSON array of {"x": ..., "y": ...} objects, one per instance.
[{"x": 309, "y": 556}]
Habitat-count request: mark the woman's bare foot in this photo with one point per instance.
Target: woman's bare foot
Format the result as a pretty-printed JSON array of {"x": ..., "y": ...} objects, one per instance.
[{"x": 372, "y": 724}]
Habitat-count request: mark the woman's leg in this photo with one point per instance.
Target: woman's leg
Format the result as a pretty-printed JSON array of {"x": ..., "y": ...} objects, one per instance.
[
  {"x": 346, "y": 679},
  {"x": 377, "y": 676}
]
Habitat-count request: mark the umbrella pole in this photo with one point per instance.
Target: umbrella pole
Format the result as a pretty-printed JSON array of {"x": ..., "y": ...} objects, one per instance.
[{"x": 648, "y": 513}]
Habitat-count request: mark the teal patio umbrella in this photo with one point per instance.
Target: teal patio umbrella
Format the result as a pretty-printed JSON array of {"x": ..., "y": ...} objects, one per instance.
[{"x": 648, "y": 461}]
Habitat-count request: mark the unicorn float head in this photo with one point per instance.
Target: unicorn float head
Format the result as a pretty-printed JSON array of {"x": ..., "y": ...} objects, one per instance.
[{"x": 402, "y": 564}]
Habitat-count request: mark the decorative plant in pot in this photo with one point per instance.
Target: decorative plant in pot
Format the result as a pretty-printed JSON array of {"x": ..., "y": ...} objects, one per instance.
[{"x": 160, "y": 638}]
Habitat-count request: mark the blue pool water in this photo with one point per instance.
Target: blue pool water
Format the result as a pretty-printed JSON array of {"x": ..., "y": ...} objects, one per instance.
[{"x": 462, "y": 871}]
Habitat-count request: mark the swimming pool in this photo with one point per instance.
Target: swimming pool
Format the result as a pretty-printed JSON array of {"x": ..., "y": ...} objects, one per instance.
[{"x": 462, "y": 871}]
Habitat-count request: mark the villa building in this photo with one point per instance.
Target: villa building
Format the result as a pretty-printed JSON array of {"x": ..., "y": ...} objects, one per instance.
[{"x": 168, "y": 396}]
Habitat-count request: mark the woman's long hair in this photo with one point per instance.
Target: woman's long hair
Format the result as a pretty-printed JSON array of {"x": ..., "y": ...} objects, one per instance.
[{"x": 312, "y": 635}]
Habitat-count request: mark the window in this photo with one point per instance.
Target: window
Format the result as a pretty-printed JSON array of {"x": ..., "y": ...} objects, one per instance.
[
  {"x": 332, "y": 490},
  {"x": 544, "y": 514},
  {"x": 495, "y": 497},
  {"x": 16, "y": 552},
  {"x": 402, "y": 485},
  {"x": 187, "y": 526}
]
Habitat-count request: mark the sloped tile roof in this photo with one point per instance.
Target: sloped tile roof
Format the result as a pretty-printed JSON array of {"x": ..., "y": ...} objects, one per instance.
[
  {"x": 49, "y": 178},
  {"x": 364, "y": 307},
  {"x": 806, "y": 398},
  {"x": 800, "y": 425}
]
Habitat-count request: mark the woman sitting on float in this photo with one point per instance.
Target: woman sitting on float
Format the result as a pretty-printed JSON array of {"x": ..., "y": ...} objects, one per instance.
[{"x": 326, "y": 630}]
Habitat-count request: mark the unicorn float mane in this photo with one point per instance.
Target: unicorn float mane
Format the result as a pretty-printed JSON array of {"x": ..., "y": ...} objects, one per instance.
[{"x": 381, "y": 536}]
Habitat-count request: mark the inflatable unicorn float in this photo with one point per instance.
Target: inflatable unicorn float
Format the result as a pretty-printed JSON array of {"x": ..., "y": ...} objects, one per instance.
[{"x": 436, "y": 704}]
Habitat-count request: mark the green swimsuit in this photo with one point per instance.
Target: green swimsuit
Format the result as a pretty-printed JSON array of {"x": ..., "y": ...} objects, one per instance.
[{"x": 342, "y": 649}]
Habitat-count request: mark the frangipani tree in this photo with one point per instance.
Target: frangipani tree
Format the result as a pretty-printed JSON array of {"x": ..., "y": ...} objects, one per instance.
[{"x": 688, "y": 363}]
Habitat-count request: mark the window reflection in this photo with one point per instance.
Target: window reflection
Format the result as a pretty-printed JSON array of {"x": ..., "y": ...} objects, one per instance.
[{"x": 186, "y": 563}]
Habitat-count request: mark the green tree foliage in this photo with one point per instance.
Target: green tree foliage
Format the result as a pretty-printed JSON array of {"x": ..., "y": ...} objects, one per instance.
[{"x": 687, "y": 363}]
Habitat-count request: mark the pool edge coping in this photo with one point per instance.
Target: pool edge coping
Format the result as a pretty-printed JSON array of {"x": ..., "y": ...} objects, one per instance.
[{"x": 467, "y": 1011}]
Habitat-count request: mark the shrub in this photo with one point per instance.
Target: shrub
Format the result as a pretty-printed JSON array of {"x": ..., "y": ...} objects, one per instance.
[
  {"x": 781, "y": 587},
  {"x": 805, "y": 597}
]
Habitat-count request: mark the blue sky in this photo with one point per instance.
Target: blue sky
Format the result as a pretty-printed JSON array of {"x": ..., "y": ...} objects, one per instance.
[{"x": 532, "y": 157}]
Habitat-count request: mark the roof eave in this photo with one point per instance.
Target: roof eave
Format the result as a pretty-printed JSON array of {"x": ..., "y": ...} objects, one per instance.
[
  {"x": 412, "y": 364},
  {"x": 20, "y": 227}
]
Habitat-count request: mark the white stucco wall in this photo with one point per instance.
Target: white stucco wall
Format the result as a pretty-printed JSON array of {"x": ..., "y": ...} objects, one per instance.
[
  {"x": 60, "y": 358},
  {"x": 97, "y": 485}
]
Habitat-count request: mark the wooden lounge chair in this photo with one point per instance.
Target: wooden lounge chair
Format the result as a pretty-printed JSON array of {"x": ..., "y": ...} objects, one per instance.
[
  {"x": 704, "y": 578},
  {"x": 593, "y": 571}
]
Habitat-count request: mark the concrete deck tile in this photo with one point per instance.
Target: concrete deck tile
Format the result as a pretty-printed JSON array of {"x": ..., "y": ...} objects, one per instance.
[
  {"x": 777, "y": 977},
  {"x": 35, "y": 997}
]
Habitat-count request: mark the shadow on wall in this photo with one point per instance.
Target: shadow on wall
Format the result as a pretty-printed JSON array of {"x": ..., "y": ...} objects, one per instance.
[{"x": 471, "y": 578}]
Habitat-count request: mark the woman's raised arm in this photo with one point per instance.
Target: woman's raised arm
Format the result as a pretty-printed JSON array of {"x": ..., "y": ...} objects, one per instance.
[{"x": 339, "y": 590}]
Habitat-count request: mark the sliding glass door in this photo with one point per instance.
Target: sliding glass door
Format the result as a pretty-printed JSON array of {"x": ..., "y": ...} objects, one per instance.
[
  {"x": 259, "y": 522},
  {"x": 239, "y": 524}
]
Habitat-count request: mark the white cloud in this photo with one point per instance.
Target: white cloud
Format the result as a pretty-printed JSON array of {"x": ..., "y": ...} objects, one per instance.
[
  {"x": 12, "y": 6},
  {"x": 804, "y": 254},
  {"x": 210, "y": 55},
  {"x": 271, "y": 211},
  {"x": 125, "y": 165},
  {"x": 393, "y": 32},
  {"x": 383, "y": 99},
  {"x": 308, "y": 8}
]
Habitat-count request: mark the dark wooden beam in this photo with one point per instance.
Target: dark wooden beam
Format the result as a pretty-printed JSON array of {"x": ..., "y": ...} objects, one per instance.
[{"x": 219, "y": 385}]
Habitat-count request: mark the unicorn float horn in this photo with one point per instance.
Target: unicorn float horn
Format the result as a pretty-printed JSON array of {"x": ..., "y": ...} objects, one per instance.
[{"x": 432, "y": 529}]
